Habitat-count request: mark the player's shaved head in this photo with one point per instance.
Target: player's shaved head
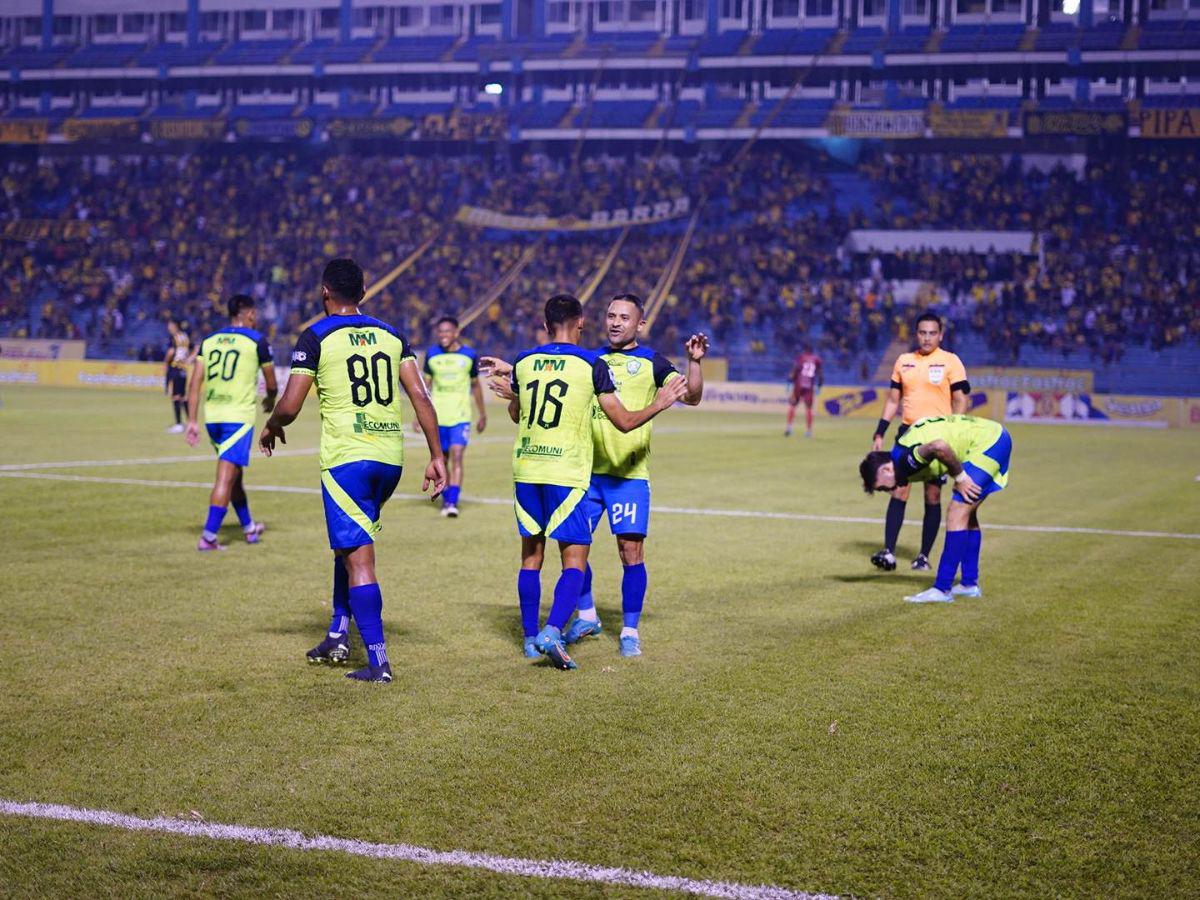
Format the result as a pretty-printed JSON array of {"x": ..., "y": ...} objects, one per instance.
[
  {"x": 344, "y": 279},
  {"x": 562, "y": 309}
]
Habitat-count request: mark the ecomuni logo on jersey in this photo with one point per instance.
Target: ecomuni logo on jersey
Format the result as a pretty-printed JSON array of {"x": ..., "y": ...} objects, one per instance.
[
  {"x": 363, "y": 425},
  {"x": 545, "y": 451}
]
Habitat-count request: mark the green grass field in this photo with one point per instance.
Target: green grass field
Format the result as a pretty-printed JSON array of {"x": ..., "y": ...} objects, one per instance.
[{"x": 792, "y": 722}]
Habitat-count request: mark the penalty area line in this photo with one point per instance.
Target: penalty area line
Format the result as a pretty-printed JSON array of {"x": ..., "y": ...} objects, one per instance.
[
  {"x": 668, "y": 510},
  {"x": 423, "y": 856}
]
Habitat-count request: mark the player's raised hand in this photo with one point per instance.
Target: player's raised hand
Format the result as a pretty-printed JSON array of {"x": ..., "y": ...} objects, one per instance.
[
  {"x": 435, "y": 474},
  {"x": 494, "y": 365},
  {"x": 501, "y": 388},
  {"x": 671, "y": 393},
  {"x": 965, "y": 485},
  {"x": 192, "y": 434},
  {"x": 877, "y": 442},
  {"x": 266, "y": 440},
  {"x": 697, "y": 347}
]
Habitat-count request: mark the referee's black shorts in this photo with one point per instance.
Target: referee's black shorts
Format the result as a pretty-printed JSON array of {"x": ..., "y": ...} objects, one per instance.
[{"x": 177, "y": 380}]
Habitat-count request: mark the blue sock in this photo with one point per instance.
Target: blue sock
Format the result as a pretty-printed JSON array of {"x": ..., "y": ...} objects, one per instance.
[
  {"x": 450, "y": 495},
  {"x": 340, "y": 622},
  {"x": 366, "y": 602},
  {"x": 243, "y": 514},
  {"x": 633, "y": 594},
  {"x": 566, "y": 597},
  {"x": 953, "y": 549},
  {"x": 529, "y": 593},
  {"x": 216, "y": 515},
  {"x": 970, "y": 561},
  {"x": 585, "y": 593}
]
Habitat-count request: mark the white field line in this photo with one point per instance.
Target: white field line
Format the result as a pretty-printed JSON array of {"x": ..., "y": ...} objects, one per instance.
[
  {"x": 423, "y": 856},
  {"x": 668, "y": 510}
]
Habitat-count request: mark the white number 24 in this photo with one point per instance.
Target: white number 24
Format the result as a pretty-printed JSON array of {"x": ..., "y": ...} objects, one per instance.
[{"x": 621, "y": 511}]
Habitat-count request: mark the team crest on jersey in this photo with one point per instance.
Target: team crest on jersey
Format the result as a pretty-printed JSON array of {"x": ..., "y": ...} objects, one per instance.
[
  {"x": 936, "y": 374},
  {"x": 633, "y": 366}
]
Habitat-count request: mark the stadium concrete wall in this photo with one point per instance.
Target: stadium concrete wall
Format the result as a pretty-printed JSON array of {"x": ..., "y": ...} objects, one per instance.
[{"x": 832, "y": 401}]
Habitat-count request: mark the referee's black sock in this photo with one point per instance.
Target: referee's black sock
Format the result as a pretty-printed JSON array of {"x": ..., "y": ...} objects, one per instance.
[
  {"x": 929, "y": 529},
  {"x": 178, "y": 412},
  {"x": 891, "y": 528}
]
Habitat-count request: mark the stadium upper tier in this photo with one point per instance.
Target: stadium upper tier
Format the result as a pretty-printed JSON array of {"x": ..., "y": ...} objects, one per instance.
[{"x": 107, "y": 249}]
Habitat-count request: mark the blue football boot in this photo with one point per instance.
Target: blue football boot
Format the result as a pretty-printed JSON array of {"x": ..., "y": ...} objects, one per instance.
[
  {"x": 579, "y": 629},
  {"x": 631, "y": 646},
  {"x": 549, "y": 643}
]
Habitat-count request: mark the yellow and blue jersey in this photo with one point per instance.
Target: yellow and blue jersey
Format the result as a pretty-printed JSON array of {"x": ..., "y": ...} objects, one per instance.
[
  {"x": 556, "y": 385},
  {"x": 451, "y": 374},
  {"x": 355, "y": 362},
  {"x": 232, "y": 358},
  {"x": 637, "y": 373},
  {"x": 983, "y": 447}
]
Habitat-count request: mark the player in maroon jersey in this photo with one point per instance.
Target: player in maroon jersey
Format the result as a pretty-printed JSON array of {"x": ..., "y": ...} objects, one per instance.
[{"x": 808, "y": 374}]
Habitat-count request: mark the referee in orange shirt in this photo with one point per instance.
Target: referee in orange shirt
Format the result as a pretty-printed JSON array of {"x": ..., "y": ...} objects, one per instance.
[{"x": 928, "y": 382}]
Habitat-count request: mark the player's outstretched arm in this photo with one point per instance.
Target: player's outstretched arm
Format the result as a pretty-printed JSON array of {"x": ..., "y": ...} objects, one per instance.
[
  {"x": 418, "y": 395},
  {"x": 890, "y": 405},
  {"x": 285, "y": 412},
  {"x": 625, "y": 420},
  {"x": 192, "y": 433},
  {"x": 963, "y": 483},
  {"x": 697, "y": 349},
  {"x": 494, "y": 366}
]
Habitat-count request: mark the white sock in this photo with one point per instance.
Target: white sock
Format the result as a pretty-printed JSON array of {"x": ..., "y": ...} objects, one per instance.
[
  {"x": 589, "y": 614},
  {"x": 629, "y": 632}
]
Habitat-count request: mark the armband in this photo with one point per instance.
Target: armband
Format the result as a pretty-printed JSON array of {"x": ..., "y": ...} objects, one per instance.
[{"x": 882, "y": 427}]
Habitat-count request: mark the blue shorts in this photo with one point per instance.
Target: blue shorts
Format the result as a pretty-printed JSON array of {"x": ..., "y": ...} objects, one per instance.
[
  {"x": 626, "y": 500},
  {"x": 354, "y": 494},
  {"x": 989, "y": 469},
  {"x": 455, "y": 435},
  {"x": 555, "y": 511},
  {"x": 232, "y": 441}
]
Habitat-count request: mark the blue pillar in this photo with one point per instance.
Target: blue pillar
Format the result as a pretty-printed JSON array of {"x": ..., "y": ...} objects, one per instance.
[
  {"x": 47, "y": 24},
  {"x": 193, "y": 23},
  {"x": 539, "y": 17},
  {"x": 1083, "y": 91},
  {"x": 894, "y": 10},
  {"x": 1087, "y": 13},
  {"x": 345, "y": 20},
  {"x": 714, "y": 16}
]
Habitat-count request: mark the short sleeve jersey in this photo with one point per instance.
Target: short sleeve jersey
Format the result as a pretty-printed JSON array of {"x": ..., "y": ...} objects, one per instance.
[
  {"x": 965, "y": 435},
  {"x": 807, "y": 368},
  {"x": 355, "y": 361},
  {"x": 637, "y": 374},
  {"x": 451, "y": 373},
  {"x": 182, "y": 344},
  {"x": 556, "y": 385},
  {"x": 926, "y": 381},
  {"x": 232, "y": 358}
]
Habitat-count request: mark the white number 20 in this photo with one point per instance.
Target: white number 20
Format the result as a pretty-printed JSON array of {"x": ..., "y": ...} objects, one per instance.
[{"x": 621, "y": 511}]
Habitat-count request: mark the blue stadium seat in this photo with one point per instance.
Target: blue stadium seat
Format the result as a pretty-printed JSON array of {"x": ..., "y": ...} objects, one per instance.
[
  {"x": 178, "y": 55},
  {"x": 1059, "y": 36},
  {"x": 413, "y": 49},
  {"x": 907, "y": 40},
  {"x": 542, "y": 115},
  {"x": 623, "y": 42},
  {"x": 326, "y": 51},
  {"x": 983, "y": 38},
  {"x": 105, "y": 56},
  {"x": 262, "y": 111},
  {"x": 619, "y": 113},
  {"x": 723, "y": 43},
  {"x": 252, "y": 53},
  {"x": 863, "y": 40}
]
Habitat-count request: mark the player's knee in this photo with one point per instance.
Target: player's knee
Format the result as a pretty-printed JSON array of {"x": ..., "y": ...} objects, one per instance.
[
  {"x": 632, "y": 550},
  {"x": 958, "y": 516},
  {"x": 900, "y": 492}
]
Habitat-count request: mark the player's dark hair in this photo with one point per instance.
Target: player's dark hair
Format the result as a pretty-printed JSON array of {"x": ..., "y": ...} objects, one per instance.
[
  {"x": 561, "y": 309},
  {"x": 869, "y": 468},
  {"x": 929, "y": 316},
  {"x": 806, "y": 347},
  {"x": 344, "y": 278},
  {"x": 238, "y": 303},
  {"x": 444, "y": 319},
  {"x": 630, "y": 298}
]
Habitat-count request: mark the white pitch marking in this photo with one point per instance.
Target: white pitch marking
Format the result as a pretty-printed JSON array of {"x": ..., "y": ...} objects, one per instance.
[
  {"x": 669, "y": 510},
  {"x": 424, "y": 856}
]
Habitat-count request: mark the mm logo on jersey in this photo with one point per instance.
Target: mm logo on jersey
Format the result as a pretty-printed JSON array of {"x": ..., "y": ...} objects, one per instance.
[
  {"x": 555, "y": 365},
  {"x": 361, "y": 339},
  {"x": 225, "y": 340}
]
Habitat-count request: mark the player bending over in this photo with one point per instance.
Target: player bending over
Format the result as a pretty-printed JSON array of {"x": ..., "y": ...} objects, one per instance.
[
  {"x": 452, "y": 370},
  {"x": 355, "y": 361},
  {"x": 227, "y": 366},
  {"x": 175, "y": 364},
  {"x": 808, "y": 375},
  {"x": 975, "y": 453},
  {"x": 554, "y": 387},
  {"x": 929, "y": 382}
]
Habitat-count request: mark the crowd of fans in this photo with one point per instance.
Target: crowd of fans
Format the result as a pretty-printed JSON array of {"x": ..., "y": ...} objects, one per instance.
[{"x": 1116, "y": 261}]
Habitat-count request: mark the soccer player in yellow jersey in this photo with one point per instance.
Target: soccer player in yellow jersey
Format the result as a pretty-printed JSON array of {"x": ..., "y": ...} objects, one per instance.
[
  {"x": 553, "y": 388},
  {"x": 927, "y": 382},
  {"x": 355, "y": 362},
  {"x": 227, "y": 368},
  {"x": 976, "y": 454},
  {"x": 452, "y": 370},
  {"x": 620, "y": 485}
]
